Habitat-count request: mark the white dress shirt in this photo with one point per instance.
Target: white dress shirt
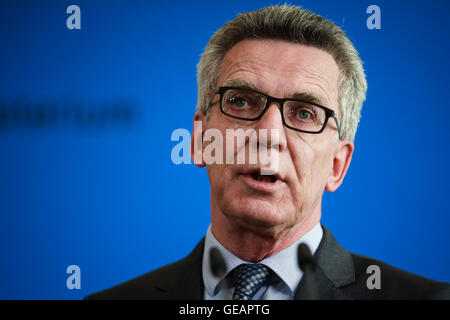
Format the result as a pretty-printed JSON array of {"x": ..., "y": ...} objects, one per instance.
[{"x": 284, "y": 264}]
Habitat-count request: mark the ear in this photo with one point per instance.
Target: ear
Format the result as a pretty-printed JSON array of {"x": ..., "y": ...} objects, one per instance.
[
  {"x": 341, "y": 162},
  {"x": 197, "y": 139}
]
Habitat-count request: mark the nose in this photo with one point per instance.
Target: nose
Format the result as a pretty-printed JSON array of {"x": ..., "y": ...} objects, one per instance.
[{"x": 272, "y": 120}]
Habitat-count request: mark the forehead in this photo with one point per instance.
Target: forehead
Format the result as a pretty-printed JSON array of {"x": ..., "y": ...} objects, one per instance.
[{"x": 283, "y": 69}]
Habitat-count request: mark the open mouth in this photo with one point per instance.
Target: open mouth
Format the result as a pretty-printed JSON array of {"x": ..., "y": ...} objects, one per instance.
[
  {"x": 263, "y": 181},
  {"x": 263, "y": 178}
]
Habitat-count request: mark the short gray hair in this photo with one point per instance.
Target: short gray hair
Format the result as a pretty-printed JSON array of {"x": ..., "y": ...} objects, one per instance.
[{"x": 292, "y": 24}]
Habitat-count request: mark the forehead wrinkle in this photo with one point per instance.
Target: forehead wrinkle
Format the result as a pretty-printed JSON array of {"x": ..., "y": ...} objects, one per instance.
[
  {"x": 301, "y": 76},
  {"x": 313, "y": 77},
  {"x": 244, "y": 69}
]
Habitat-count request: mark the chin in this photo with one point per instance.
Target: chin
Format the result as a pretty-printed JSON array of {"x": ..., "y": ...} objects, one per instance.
[{"x": 257, "y": 214}]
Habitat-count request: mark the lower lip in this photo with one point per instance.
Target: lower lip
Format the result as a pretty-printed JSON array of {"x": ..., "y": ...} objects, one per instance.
[{"x": 267, "y": 187}]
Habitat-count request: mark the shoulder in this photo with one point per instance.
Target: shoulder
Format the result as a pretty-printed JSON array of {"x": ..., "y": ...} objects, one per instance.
[
  {"x": 355, "y": 276},
  {"x": 375, "y": 279},
  {"x": 146, "y": 286},
  {"x": 182, "y": 277}
]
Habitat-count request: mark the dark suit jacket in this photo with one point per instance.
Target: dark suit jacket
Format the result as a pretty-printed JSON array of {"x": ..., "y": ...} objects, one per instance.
[{"x": 339, "y": 274}]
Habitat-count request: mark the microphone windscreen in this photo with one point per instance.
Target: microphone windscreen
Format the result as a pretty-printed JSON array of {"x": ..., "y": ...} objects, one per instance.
[
  {"x": 217, "y": 263},
  {"x": 304, "y": 256}
]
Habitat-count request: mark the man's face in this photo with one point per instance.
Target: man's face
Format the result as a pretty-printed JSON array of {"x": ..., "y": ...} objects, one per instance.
[{"x": 307, "y": 162}]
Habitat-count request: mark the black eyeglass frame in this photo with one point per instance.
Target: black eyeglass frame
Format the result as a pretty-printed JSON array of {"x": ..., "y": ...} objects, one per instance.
[{"x": 280, "y": 101}]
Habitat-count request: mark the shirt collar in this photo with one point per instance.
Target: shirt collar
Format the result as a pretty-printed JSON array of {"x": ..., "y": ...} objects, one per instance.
[{"x": 283, "y": 263}]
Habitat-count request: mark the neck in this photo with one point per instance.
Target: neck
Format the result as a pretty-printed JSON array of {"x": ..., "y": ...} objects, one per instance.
[{"x": 254, "y": 244}]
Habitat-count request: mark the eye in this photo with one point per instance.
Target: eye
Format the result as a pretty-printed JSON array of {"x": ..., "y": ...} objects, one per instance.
[
  {"x": 304, "y": 114},
  {"x": 238, "y": 102}
]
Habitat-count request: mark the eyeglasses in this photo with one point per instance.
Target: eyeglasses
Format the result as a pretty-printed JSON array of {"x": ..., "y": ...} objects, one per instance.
[{"x": 298, "y": 115}]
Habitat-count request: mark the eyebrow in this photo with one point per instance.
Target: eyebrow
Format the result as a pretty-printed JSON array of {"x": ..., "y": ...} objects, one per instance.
[
  {"x": 304, "y": 96},
  {"x": 241, "y": 84},
  {"x": 308, "y": 97}
]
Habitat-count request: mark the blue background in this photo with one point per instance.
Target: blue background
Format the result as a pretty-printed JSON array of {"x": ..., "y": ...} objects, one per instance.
[{"x": 107, "y": 197}]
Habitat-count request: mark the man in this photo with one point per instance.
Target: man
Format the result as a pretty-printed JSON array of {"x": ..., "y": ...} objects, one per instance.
[{"x": 289, "y": 71}]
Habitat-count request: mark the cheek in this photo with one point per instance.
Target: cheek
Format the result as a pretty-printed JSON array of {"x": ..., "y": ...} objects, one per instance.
[
  {"x": 323, "y": 164},
  {"x": 216, "y": 175},
  {"x": 221, "y": 178},
  {"x": 312, "y": 164},
  {"x": 302, "y": 156}
]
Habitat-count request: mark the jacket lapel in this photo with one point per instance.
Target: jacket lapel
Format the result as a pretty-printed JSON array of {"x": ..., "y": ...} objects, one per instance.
[
  {"x": 334, "y": 269},
  {"x": 185, "y": 282}
]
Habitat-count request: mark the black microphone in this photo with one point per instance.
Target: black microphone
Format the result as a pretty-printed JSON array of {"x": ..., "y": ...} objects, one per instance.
[
  {"x": 307, "y": 265},
  {"x": 217, "y": 263},
  {"x": 218, "y": 266}
]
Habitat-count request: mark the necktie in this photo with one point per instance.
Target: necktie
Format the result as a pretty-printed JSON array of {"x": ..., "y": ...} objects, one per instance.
[{"x": 248, "y": 279}]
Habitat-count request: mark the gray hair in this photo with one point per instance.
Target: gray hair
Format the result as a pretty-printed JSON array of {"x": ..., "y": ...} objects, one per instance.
[{"x": 292, "y": 24}]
